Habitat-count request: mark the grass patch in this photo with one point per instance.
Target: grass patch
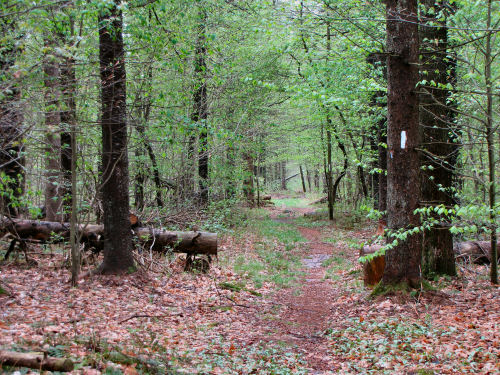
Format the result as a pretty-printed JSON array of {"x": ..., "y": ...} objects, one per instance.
[
  {"x": 292, "y": 202},
  {"x": 275, "y": 258}
]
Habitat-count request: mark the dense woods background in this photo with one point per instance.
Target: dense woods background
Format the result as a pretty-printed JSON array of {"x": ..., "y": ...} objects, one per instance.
[
  {"x": 264, "y": 141},
  {"x": 169, "y": 106}
]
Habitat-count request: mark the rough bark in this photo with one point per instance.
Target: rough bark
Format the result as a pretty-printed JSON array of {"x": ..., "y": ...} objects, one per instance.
[
  {"x": 403, "y": 260},
  {"x": 490, "y": 133},
  {"x": 302, "y": 179},
  {"x": 379, "y": 136},
  {"x": 38, "y": 361},
  {"x": 200, "y": 109},
  {"x": 438, "y": 148},
  {"x": 11, "y": 124},
  {"x": 53, "y": 187},
  {"x": 68, "y": 121},
  {"x": 283, "y": 175},
  {"x": 115, "y": 179}
]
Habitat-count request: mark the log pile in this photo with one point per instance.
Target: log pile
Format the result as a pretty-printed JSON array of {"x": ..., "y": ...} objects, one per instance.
[{"x": 92, "y": 235}]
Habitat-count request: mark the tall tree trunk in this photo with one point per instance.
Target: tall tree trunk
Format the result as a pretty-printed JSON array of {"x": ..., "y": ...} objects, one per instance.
[
  {"x": 308, "y": 176},
  {"x": 283, "y": 175},
  {"x": 379, "y": 61},
  {"x": 403, "y": 184},
  {"x": 302, "y": 179},
  {"x": 382, "y": 165},
  {"x": 248, "y": 187},
  {"x": 11, "y": 120},
  {"x": 438, "y": 256},
  {"x": 329, "y": 171},
  {"x": 68, "y": 122},
  {"x": 200, "y": 110},
  {"x": 115, "y": 179},
  {"x": 490, "y": 133},
  {"x": 53, "y": 186}
]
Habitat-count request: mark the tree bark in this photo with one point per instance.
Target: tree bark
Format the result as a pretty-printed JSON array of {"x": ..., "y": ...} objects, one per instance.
[
  {"x": 11, "y": 120},
  {"x": 283, "y": 175},
  {"x": 200, "y": 110},
  {"x": 53, "y": 188},
  {"x": 490, "y": 133},
  {"x": 68, "y": 122},
  {"x": 302, "y": 179},
  {"x": 435, "y": 119},
  {"x": 403, "y": 260},
  {"x": 115, "y": 179},
  {"x": 38, "y": 361}
]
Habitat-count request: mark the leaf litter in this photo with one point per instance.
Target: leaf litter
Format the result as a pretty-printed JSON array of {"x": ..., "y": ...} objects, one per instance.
[{"x": 221, "y": 323}]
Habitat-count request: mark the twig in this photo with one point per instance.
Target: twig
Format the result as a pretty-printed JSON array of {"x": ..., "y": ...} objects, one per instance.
[{"x": 148, "y": 316}]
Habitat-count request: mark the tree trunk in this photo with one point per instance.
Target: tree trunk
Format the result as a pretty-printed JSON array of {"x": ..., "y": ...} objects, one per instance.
[
  {"x": 283, "y": 175},
  {"x": 403, "y": 186},
  {"x": 435, "y": 122},
  {"x": 303, "y": 179},
  {"x": 53, "y": 188},
  {"x": 308, "y": 174},
  {"x": 11, "y": 122},
  {"x": 490, "y": 133},
  {"x": 248, "y": 188},
  {"x": 200, "y": 110},
  {"x": 115, "y": 179},
  {"x": 68, "y": 121}
]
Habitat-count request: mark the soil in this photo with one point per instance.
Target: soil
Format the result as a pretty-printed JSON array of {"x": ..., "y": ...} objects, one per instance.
[{"x": 304, "y": 312}]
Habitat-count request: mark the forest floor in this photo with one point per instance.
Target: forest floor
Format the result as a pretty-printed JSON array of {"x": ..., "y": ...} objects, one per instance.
[{"x": 285, "y": 297}]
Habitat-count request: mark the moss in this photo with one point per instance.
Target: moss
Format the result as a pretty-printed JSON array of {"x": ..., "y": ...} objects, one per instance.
[
  {"x": 404, "y": 287},
  {"x": 384, "y": 290}
]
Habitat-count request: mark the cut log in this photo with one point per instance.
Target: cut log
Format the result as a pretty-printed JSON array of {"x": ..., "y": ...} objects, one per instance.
[
  {"x": 36, "y": 361},
  {"x": 92, "y": 236},
  {"x": 372, "y": 269},
  {"x": 182, "y": 242},
  {"x": 474, "y": 251}
]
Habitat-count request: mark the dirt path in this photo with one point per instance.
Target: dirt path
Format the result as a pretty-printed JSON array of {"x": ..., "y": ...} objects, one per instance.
[{"x": 304, "y": 312}]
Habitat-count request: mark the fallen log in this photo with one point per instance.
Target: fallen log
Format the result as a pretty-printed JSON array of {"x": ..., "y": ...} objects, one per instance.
[
  {"x": 92, "y": 236},
  {"x": 321, "y": 200},
  {"x": 266, "y": 198},
  {"x": 373, "y": 270},
  {"x": 37, "y": 361},
  {"x": 477, "y": 252}
]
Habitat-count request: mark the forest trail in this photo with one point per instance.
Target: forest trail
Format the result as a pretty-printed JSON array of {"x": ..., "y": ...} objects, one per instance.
[{"x": 304, "y": 312}]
